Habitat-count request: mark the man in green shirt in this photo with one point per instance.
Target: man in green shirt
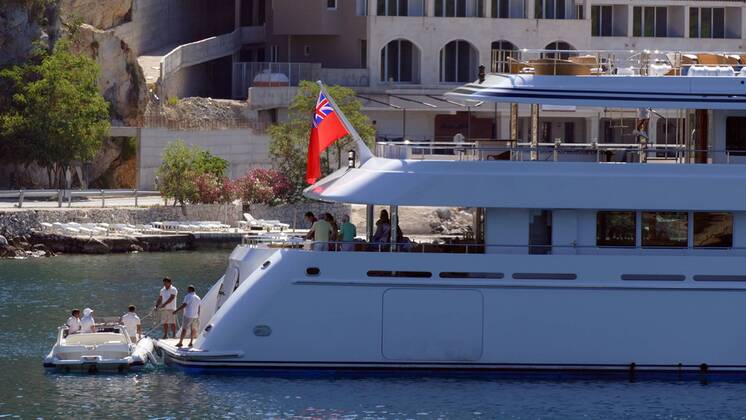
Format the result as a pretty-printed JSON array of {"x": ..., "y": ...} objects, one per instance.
[{"x": 347, "y": 233}]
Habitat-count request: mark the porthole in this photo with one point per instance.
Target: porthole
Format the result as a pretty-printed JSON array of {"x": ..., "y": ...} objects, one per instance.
[
  {"x": 266, "y": 264},
  {"x": 262, "y": 330},
  {"x": 313, "y": 271}
]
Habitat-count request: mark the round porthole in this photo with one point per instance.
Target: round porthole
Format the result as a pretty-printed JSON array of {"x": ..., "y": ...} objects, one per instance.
[
  {"x": 262, "y": 330},
  {"x": 266, "y": 264}
]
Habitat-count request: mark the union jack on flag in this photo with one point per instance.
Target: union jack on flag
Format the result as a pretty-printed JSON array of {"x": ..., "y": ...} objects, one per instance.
[{"x": 323, "y": 108}]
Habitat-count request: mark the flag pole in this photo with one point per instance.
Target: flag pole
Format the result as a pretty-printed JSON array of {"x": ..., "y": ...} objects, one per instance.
[{"x": 363, "y": 151}]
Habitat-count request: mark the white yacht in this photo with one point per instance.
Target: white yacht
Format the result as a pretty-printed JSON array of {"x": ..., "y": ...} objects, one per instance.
[{"x": 612, "y": 258}]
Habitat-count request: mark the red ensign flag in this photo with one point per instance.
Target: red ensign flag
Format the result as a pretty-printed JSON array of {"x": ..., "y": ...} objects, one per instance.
[{"x": 327, "y": 128}]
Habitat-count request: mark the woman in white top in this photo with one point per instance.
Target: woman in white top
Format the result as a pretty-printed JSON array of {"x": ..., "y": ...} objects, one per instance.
[
  {"x": 73, "y": 323},
  {"x": 87, "y": 323}
]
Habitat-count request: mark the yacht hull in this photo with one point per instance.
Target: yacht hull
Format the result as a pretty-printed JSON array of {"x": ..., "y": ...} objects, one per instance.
[{"x": 406, "y": 313}]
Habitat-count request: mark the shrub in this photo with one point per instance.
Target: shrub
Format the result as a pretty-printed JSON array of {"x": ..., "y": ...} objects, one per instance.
[
  {"x": 263, "y": 186},
  {"x": 211, "y": 189}
]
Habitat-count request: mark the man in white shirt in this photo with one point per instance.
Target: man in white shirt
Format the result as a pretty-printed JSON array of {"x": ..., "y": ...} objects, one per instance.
[
  {"x": 132, "y": 322},
  {"x": 166, "y": 305},
  {"x": 190, "y": 321},
  {"x": 87, "y": 323},
  {"x": 73, "y": 323}
]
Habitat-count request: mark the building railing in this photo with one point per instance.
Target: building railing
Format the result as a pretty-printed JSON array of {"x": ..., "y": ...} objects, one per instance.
[
  {"x": 557, "y": 151},
  {"x": 61, "y": 195},
  {"x": 617, "y": 62}
]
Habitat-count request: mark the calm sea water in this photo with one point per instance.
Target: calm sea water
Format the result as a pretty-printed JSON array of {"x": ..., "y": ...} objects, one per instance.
[{"x": 35, "y": 296}]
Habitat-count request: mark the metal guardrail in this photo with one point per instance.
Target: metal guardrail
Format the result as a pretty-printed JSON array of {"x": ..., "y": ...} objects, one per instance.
[
  {"x": 558, "y": 151},
  {"x": 67, "y": 195},
  {"x": 477, "y": 248}
]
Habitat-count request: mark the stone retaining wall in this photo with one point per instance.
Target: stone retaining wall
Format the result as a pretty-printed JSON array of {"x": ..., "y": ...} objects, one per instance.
[
  {"x": 15, "y": 223},
  {"x": 292, "y": 214}
]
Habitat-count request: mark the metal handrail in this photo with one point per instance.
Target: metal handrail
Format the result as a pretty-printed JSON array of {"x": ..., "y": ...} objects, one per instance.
[
  {"x": 478, "y": 248},
  {"x": 61, "y": 194}
]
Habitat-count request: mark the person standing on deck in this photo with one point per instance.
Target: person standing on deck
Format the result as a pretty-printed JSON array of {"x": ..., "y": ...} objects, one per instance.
[
  {"x": 166, "y": 304},
  {"x": 310, "y": 219},
  {"x": 322, "y": 231},
  {"x": 643, "y": 120},
  {"x": 347, "y": 234},
  {"x": 190, "y": 321},
  {"x": 132, "y": 322}
]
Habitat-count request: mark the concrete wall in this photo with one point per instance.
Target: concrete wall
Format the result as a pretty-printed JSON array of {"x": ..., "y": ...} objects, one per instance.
[{"x": 243, "y": 148}]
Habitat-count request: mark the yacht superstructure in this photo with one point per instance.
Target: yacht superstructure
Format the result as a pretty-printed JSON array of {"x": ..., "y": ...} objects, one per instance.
[{"x": 615, "y": 258}]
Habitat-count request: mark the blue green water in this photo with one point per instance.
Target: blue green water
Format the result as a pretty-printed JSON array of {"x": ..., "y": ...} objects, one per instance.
[{"x": 35, "y": 296}]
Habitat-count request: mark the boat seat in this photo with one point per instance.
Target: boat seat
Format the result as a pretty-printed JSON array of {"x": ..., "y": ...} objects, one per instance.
[
  {"x": 559, "y": 67},
  {"x": 93, "y": 339}
]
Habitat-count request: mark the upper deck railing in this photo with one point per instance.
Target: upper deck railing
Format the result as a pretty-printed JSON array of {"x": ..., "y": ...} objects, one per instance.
[
  {"x": 618, "y": 62},
  {"x": 558, "y": 151}
]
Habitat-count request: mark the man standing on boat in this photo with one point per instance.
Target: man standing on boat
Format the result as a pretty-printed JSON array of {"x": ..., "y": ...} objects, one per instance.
[
  {"x": 190, "y": 321},
  {"x": 166, "y": 305}
]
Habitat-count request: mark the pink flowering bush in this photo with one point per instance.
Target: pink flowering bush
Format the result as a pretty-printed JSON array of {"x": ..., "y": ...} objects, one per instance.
[
  {"x": 210, "y": 189},
  {"x": 263, "y": 186}
]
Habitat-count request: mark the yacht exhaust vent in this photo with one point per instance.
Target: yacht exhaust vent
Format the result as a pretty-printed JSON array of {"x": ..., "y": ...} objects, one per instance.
[
  {"x": 470, "y": 275},
  {"x": 262, "y": 331},
  {"x": 545, "y": 276},
  {"x": 313, "y": 271},
  {"x": 653, "y": 277},
  {"x": 416, "y": 274},
  {"x": 700, "y": 277},
  {"x": 266, "y": 264}
]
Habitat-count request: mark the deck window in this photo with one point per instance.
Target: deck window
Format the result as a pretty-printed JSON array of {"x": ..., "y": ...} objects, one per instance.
[
  {"x": 735, "y": 134},
  {"x": 616, "y": 228},
  {"x": 665, "y": 229},
  {"x": 713, "y": 230}
]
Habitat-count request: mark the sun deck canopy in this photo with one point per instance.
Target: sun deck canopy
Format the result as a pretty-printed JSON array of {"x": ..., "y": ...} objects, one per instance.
[
  {"x": 609, "y": 91},
  {"x": 546, "y": 185}
]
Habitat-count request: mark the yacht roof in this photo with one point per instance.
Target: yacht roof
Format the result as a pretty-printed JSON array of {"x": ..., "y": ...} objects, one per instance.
[
  {"x": 549, "y": 185},
  {"x": 609, "y": 91}
]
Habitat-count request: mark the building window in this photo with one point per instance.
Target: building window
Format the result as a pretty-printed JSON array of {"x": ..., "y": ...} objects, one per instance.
[
  {"x": 563, "y": 49},
  {"x": 650, "y": 21},
  {"x": 616, "y": 228},
  {"x": 550, "y": 9},
  {"x": 458, "y": 62},
  {"x": 274, "y": 53},
  {"x": 307, "y": 50},
  {"x": 735, "y": 134},
  {"x": 602, "y": 20},
  {"x": 400, "y": 61},
  {"x": 401, "y": 7},
  {"x": 707, "y": 22},
  {"x": 713, "y": 230},
  {"x": 501, "y": 9},
  {"x": 502, "y": 53},
  {"x": 665, "y": 229},
  {"x": 331, "y": 4},
  {"x": 459, "y": 8},
  {"x": 361, "y": 7}
]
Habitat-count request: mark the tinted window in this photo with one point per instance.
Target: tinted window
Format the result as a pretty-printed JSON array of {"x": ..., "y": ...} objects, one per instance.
[
  {"x": 666, "y": 228},
  {"x": 735, "y": 133},
  {"x": 615, "y": 228},
  {"x": 713, "y": 230}
]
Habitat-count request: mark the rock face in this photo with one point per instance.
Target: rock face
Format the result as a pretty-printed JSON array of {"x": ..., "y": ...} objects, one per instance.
[
  {"x": 19, "y": 29},
  {"x": 121, "y": 79},
  {"x": 102, "y": 14}
]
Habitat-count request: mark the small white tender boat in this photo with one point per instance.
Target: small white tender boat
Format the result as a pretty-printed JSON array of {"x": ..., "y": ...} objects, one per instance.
[{"x": 108, "y": 349}]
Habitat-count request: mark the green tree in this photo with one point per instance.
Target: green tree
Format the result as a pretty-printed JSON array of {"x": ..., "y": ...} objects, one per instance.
[
  {"x": 289, "y": 140},
  {"x": 182, "y": 167},
  {"x": 54, "y": 114}
]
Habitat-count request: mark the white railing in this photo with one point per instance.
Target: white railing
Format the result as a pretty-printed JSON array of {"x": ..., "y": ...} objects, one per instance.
[
  {"x": 67, "y": 195},
  {"x": 607, "y": 62}
]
